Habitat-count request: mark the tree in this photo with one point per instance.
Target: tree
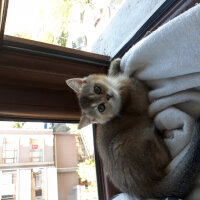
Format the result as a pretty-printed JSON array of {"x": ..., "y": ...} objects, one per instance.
[
  {"x": 87, "y": 173},
  {"x": 18, "y": 125}
]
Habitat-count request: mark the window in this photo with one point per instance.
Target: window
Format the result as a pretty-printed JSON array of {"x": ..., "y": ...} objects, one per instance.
[
  {"x": 33, "y": 78},
  {"x": 10, "y": 150},
  {"x": 61, "y": 156},
  {"x": 8, "y": 187},
  {"x": 38, "y": 184},
  {"x": 74, "y": 24},
  {"x": 36, "y": 150},
  {"x": 75, "y": 161}
]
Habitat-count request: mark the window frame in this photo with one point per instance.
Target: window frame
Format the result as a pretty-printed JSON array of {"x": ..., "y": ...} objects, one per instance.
[
  {"x": 38, "y": 150},
  {"x": 5, "y": 150},
  {"x": 91, "y": 63},
  {"x": 14, "y": 180}
]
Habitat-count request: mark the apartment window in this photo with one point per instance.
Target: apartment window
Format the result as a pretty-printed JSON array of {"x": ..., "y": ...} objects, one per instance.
[
  {"x": 8, "y": 185},
  {"x": 38, "y": 185},
  {"x": 61, "y": 157},
  {"x": 36, "y": 150},
  {"x": 10, "y": 150}
]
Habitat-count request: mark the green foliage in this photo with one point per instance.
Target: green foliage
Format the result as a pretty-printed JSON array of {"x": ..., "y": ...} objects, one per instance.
[
  {"x": 87, "y": 173},
  {"x": 52, "y": 20},
  {"x": 81, "y": 2},
  {"x": 82, "y": 16},
  {"x": 25, "y": 35},
  {"x": 60, "y": 127},
  {"x": 47, "y": 37},
  {"x": 18, "y": 125},
  {"x": 62, "y": 40},
  {"x": 74, "y": 45}
]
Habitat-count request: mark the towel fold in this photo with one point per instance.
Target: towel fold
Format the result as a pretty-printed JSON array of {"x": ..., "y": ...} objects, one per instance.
[{"x": 168, "y": 61}]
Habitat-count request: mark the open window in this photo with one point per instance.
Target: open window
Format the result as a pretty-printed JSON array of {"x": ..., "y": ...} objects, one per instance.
[{"x": 32, "y": 88}]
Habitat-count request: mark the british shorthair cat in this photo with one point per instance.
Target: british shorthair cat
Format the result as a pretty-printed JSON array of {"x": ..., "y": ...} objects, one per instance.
[{"x": 134, "y": 155}]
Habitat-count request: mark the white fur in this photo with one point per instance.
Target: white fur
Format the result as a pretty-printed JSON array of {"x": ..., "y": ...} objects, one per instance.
[{"x": 114, "y": 84}]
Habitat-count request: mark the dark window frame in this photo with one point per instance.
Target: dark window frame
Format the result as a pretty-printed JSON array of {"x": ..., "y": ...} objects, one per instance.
[{"x": 82, "y": 64}]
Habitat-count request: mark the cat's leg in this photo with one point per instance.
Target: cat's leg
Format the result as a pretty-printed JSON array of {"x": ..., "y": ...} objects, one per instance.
[
  {"x": 177, "y": 126},
  {"x": 114, "y": 69}
]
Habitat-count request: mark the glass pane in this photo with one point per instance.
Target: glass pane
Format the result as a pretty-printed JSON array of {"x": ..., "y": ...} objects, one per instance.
[
  {"x": 35, "y": 160},
  {"x": 10, "y": 154},
  {"x": 8, "y": 185},
  {"x": 10, "y": 146},
  {"x": 56, "y": 154},
  {"x": 36, "y": 154},
  {"x": 68, "y": 23},
  {"x": 39, "y": 186},
  {"x": 9, "y": 160}
]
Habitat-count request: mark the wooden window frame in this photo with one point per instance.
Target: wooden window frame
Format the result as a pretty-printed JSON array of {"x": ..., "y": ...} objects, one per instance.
[{"x": 37, "y": 71}]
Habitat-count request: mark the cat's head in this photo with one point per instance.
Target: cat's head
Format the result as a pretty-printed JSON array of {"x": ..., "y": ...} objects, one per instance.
[{"x": 98, "y": 98}]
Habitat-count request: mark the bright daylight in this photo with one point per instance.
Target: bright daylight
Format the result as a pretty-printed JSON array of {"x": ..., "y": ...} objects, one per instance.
[
  {"x": 41, "y": 160},
  {"x": 69, "y": 23}
]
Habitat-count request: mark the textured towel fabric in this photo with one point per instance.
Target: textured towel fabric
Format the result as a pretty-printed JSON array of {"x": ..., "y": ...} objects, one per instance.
[
  {"x": 124, "y": 196},
  {"x": 168, "y": 60}
]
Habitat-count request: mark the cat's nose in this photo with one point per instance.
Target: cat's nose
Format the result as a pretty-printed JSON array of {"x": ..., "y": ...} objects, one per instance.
[{"x": 108, "y": 97}]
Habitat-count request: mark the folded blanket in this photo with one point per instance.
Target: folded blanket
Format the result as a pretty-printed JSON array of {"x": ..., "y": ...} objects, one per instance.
[
  {"x": 168, "y": 60},
  {"x": 124, "y": 196}
]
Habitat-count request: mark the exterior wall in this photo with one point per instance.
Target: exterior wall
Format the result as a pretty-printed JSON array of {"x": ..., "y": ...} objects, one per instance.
[
  {"x": 49, "y": 149},
  {"x": 66, "y": 152},
  {"x": 52, "y": 183},
  {"x": 1, "y": 151},
  {"x": 24, "y": 150},
  {"x": 24, "y": 153},
  {"x": 24, "y": 186},
  {"x": 25, "y": 132},
  {"x": 66, "y": 182},
  {"x": 23, "y": 136}
]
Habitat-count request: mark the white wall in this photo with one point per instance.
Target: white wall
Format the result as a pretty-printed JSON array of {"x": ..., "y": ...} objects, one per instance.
[
  {"x": 24, "y": 180},
  {"x": 124, "y": 25},
  {"x": 52, "y": 184}
]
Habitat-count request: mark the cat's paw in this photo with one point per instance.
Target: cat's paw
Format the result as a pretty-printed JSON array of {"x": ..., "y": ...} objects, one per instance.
[{"x": 114, "y": 69}]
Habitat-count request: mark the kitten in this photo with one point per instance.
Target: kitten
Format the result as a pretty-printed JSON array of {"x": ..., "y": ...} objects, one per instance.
[{"x": 134, "y": 155}]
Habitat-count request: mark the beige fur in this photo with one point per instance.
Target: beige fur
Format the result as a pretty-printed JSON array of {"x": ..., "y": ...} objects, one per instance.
[{"x": 133, "y": 154}]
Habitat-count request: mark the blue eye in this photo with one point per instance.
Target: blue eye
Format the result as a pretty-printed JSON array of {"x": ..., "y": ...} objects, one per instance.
[
  {"x": 97, "y": 89},
  {"x": 101, "y": 107}
]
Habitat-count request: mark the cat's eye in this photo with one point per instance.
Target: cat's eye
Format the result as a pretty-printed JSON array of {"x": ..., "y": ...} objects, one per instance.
[
  {"x": 97, "y": 89},
  {"x": 101, "y": 107}
]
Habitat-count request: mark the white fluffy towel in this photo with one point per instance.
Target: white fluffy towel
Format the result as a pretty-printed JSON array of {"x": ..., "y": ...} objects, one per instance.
[{"x": 168, "y": 60}]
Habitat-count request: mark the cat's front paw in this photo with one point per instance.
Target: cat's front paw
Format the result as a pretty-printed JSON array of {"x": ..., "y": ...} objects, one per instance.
[{"x": 114, "y": 69}]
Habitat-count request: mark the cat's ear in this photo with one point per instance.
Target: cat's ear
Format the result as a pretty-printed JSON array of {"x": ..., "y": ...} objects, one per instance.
[
  {"x": 84, "y": 121},
  {"x": 75, "y": 83}
]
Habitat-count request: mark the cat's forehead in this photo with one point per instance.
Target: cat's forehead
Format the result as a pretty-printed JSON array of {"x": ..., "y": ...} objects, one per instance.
[
  {"x": 88, "y": 105},
  {"x": 97, "y": 79},
  {"x": 88, "y": 100}
]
